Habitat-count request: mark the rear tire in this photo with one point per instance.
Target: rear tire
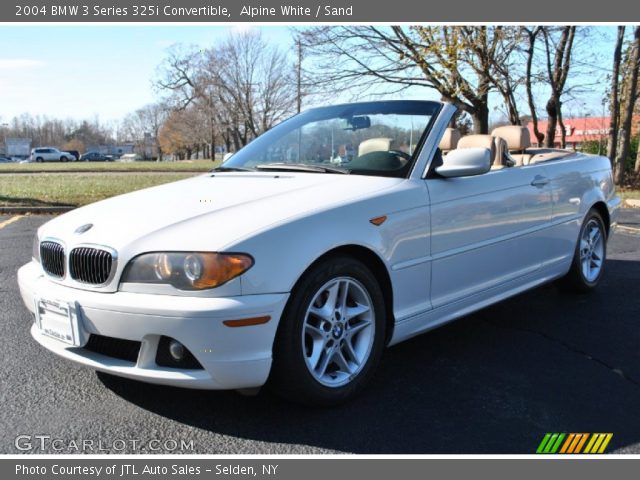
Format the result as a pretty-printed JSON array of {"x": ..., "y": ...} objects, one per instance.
[
  {"x": 64, "y": 159},
  {"x": 39, "y": 160},
  {"x": 589, "y": 257},
  {"x": 331, "y": 335}
]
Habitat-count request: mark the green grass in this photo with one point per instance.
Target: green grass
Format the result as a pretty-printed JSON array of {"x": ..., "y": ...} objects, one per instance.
[
  {"x": 628, "y": 194},
  {"x": 74, "y": 189},
  {"x": 184, "y": 165}
]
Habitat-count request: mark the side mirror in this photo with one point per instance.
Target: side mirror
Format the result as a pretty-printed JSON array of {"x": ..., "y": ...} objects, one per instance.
[
  {"x": 227, "y": 156},
  {"x": 465, "y": 163}
]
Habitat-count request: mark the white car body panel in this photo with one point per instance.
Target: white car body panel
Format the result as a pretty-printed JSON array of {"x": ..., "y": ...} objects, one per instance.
[
  {"x": 448, "y": 247},
  {"x": 50, "y": 154}
]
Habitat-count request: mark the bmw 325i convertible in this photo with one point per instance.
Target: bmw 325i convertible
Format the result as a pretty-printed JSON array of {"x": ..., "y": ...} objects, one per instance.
[{"x": 339, "y": 232}]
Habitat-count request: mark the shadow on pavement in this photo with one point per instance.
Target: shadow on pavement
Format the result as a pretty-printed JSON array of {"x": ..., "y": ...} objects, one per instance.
[{"x": 493, "y": 382}]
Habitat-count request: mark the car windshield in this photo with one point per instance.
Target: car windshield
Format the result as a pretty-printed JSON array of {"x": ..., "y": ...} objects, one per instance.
[{"x": 373, "y": 138}]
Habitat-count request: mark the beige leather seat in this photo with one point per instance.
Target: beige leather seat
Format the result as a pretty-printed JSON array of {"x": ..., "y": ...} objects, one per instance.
[
  {"x": 374, "y": 145},
  {"x": 449, "y": 140},
  {"x": 497, "y": 146},
  {"x": 518, "y": 141}
]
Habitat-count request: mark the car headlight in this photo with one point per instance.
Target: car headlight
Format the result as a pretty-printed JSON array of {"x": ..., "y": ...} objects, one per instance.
[
  {"x": 35, "y": 249},
  {"x": 187, "y": 270}
]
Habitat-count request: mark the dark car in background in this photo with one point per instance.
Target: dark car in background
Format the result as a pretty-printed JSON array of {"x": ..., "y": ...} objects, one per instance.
[{"x": 96, "y": 157}]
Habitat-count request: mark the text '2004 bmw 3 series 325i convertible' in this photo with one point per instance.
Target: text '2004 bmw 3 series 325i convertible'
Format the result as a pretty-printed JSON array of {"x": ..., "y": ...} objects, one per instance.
[{"x": 339, "y": 232}]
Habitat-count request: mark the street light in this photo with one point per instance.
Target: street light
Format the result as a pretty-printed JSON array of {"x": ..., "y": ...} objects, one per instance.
[
  {"x": 584, "y": 131},
  {"x": 604, "y": 101},
  {"x": 4, "y": 141}
]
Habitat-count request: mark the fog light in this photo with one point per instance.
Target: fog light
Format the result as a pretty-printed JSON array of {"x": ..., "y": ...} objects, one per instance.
[
  {"x": 173, "y": 354},
  {"x": 177, "y": 350}
]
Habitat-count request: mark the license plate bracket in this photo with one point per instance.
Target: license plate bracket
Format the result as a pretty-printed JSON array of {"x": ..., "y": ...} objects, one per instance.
[{"x": 60, "y": 320}]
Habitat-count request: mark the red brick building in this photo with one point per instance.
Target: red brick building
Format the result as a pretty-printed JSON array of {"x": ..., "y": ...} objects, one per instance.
[{"x": 579, "y": 130}]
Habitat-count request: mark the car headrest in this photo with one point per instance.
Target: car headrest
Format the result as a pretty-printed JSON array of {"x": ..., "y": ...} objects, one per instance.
[
  {"x": 517, "y": 137},
  {"x": 374, "y": 145},
  {"x": 477, "y": 141},
  {"x": 482, "y": 141},
  {"x": 450, "y": 139}
]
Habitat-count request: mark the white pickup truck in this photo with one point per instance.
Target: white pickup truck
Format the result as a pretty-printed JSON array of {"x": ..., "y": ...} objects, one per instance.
[{"x": 339, "y": 232}]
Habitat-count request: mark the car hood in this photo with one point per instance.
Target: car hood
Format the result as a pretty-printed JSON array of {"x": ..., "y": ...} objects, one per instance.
[{"x": 208, "y": 212}]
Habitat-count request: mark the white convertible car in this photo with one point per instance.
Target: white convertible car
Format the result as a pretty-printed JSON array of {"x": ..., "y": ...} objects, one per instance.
[{"x": 339, "y": 232}]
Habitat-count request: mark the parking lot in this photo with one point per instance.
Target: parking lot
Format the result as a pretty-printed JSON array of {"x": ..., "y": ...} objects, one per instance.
[{"x": 493, "y": 382}]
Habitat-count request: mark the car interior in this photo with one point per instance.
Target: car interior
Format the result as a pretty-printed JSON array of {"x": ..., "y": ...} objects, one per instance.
[{"x": 510, "y": 146}]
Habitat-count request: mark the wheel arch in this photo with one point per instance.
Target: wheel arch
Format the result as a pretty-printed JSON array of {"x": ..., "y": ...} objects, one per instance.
[
  {"x": 602, "y": 209},
  {"x": 377, "y": 266}
]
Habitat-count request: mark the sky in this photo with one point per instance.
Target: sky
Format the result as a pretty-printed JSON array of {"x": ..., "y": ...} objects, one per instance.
[
  {"x": 84, "y": 72},
  {"x": 106, "y": 72}
]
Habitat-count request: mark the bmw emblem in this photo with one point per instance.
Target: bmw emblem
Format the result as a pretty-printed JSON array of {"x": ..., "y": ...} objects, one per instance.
[{"x": 83, "y": 228}]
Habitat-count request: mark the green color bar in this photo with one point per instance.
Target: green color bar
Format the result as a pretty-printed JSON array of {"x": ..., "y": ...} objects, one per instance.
[
  {"x": 550, "y": 443},
  {"x": 556, "y": 446},
  {"x": 543, "y": 443}
]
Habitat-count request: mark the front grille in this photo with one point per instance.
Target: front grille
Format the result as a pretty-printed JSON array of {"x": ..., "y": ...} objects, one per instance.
[
  {"x": 52, "y": 258},
  {"x": 90, "y": 265},
  {"x": 114, "y": 347}
]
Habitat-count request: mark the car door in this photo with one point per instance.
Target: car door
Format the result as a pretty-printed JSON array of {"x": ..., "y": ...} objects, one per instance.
[
  {"x": 50, "y": 155},
  {"x": 487, "y": 230}
]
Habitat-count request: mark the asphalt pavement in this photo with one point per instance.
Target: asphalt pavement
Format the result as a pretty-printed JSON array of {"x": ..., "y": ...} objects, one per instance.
[{"x": 492, "y": 382}]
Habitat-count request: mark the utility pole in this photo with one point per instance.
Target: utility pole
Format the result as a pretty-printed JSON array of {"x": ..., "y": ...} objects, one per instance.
[
  {"x": 299, "y": 74},
  {"x": 4, "y": 140}
]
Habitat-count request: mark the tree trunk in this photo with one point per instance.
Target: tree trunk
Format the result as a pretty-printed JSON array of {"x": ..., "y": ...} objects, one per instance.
[
  {"x": 480, "y": 121},
  {"x": 212, "y": 150},
  {"x": 614, "y": 105},
  {"x": 552, "y": 123},
  {"x": 532, "y": 106},
  {"x": 636, "y": 168},
  {"x": 558, "y": 74},
  {"x": 482, "y": 106},
  {"x": 627, "y": 113},
  {"x": 563, "y": 130}
]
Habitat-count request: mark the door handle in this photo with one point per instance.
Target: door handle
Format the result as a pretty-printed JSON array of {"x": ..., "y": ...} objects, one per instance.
[{"x": 539, "y": 181}]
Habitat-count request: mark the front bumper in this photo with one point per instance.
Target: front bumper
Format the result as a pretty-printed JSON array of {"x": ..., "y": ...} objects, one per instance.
[{"x": 232, "y": 358}]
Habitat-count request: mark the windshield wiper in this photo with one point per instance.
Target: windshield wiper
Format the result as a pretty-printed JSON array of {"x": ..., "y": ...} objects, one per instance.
[
  {"x": 302, "y": 167},
  {"x": 232, "y": 169}
]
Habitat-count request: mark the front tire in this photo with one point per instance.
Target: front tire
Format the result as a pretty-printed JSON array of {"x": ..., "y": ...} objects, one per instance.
[
  {"x": 331, "y": 335},
  {"x": 590, "y": 254}
]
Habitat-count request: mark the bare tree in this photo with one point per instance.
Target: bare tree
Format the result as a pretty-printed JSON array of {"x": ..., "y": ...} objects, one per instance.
[
  {"x": 463, "y": 64},
  {"x": 532, "y": 35},
  {"x": 614, "y": 103},
  {"x": 245, "y": 85},
  {"x": 558, "y": 63},
  {"x": 47, "y": 131},
  {"x": 143, "y": 126},
  {"x": 181, "y": 134},
  {"x": 630, "y": 97}
]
